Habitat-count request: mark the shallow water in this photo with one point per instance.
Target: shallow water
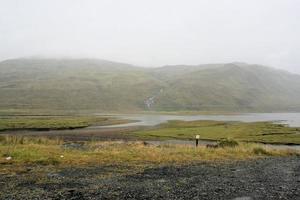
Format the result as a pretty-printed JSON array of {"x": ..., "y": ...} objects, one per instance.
[{"x": 291, "y": 119}]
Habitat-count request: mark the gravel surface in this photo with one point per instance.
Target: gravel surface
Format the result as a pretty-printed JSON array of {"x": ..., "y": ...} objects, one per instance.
[{"x": 269, "y": 178}]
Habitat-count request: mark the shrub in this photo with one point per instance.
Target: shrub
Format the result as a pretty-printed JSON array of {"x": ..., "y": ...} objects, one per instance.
[
  {"x": 260, "y": 151},
  {"x": 228, "y": 143},
  {"x": 47, "y": 161}
]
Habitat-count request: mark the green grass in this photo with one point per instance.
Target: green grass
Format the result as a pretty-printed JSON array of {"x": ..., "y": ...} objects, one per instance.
[
  {"x": 44, "y": 123},
  {"x": 265, "y": 132}
]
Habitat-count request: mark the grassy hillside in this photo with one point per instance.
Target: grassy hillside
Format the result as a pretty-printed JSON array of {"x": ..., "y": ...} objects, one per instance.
[
  {"x": 233, "y": 87},
  {"x": 74, "y": 84},
  {"x": 89, "y": 84}
]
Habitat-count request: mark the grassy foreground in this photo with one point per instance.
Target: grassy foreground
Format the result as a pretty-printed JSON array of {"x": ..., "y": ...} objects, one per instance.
[
  {"x": 54, "y": 122},
  {"x": 18, "y": 152},
  {"x": 265, "y": 132}
]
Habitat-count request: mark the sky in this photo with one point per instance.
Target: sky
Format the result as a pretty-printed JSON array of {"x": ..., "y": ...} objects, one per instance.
[{"x": 154, "y": 32}]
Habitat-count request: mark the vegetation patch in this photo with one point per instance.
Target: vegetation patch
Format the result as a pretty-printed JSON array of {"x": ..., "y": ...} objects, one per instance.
[
  {"x": 15, "y": 152},
  {"x": 263, "y": 132},
  {"x": 52, "y": 123},
  {"x": 228, "y": 143}
]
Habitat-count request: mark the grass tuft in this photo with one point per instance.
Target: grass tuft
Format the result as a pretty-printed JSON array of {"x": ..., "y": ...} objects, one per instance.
[
  {"x": 228, "y": 143},
  {"x": 261, "y": 151}
]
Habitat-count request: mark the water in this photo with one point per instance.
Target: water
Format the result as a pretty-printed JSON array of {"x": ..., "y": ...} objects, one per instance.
[{"x": 291, "y": 119}]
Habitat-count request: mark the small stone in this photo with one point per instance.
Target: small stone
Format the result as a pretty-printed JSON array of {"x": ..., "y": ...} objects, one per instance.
[
  {"x": 243, "y": 198},
  {"x": 8, "y": 158},
  {"x": 161, "y": 181},
  {"x": 53, "y": 175}
]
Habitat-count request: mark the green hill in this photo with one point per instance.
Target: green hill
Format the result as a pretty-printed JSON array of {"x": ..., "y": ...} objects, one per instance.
[
  {"x": 90, "y": 84},
  {"x": 233, "y": 87}
]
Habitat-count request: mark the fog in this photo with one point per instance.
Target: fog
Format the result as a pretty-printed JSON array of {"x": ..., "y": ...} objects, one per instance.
[{"x": 156, "y": 32}]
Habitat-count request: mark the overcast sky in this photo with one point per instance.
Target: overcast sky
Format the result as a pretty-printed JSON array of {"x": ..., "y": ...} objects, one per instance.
[{"x": 154, "y": 32}]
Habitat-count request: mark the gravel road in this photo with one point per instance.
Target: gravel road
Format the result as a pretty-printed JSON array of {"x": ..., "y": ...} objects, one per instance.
[{"x": 269, "y": 178}]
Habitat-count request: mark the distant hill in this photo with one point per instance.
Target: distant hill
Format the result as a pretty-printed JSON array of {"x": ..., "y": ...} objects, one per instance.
[{"x": 91, "y": 84}]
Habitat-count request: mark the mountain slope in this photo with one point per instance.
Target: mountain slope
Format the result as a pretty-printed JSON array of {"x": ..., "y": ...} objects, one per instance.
[
  {"x": 74, "y": 84},
  {"x": 90, "y": 84},
  {"x": 234, "y": 88}
]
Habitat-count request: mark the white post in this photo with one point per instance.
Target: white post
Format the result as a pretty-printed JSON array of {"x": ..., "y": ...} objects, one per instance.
[{"x": 197, "y": 139}]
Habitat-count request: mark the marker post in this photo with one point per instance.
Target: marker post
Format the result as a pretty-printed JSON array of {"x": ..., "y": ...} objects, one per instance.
[{"x": 197, "y": 140}]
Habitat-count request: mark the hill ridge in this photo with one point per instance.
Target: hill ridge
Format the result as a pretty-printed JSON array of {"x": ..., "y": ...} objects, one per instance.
[{"x": 95, "y": 84}]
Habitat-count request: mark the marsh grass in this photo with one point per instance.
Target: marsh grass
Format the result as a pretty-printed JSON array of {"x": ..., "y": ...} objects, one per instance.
[
  {"x": 264, "y": 132},
  {"x": 53, "y": 122},
  {"x": 43, "y": 151},
  {"x": 20, "y": 147}
]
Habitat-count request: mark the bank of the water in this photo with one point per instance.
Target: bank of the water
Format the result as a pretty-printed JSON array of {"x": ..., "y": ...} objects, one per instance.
[{"x": 290, "y": 119}]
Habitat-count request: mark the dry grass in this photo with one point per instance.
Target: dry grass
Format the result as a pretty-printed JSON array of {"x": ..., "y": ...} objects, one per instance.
[{"x": 42, "y": 151}]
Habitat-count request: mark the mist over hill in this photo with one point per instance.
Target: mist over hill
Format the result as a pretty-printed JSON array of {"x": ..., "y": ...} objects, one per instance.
[{"x": 91, "y": 84}]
